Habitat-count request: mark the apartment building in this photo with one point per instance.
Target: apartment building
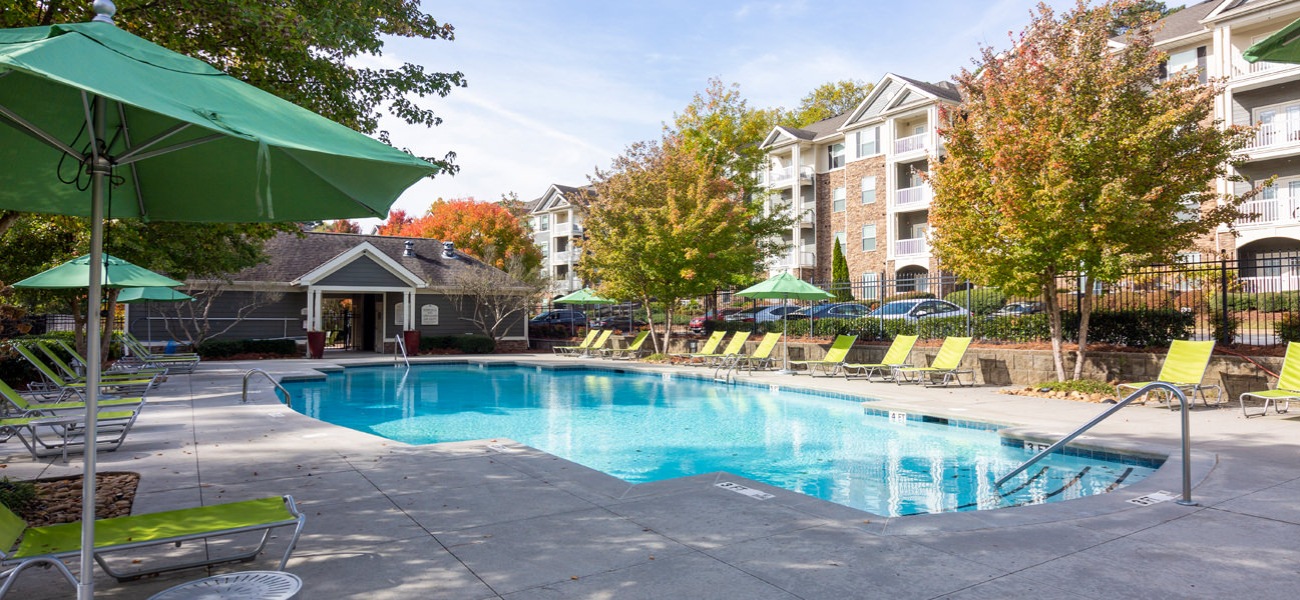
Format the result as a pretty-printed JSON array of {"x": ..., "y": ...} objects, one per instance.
[
  {"x": 557, "y": 225},
  {"x": 856, "y": 177}
]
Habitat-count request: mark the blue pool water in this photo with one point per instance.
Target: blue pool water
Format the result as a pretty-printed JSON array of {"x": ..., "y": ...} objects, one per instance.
[{"x": 642, "y": 428}]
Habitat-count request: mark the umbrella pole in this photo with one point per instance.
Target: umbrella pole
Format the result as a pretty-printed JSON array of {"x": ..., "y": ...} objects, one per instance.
[
  {"x": 99, "y": 176},
  {"x": 785, "y": 344}
]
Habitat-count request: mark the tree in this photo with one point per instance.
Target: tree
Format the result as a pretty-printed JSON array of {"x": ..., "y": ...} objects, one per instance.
[
  {"x": 1133, "y": 15},
  {"x": 1071, "y": 157},
  {"x": 475, "y": 227},
  {"x": 303, "y": 51},
  {"x": 496, "y": 300},
  {"x": 840, "y": 274},
  {"x": 721, "y": 129},
  {"x": 664, "y": 224},
  {"x": 339, "y": 226},
  {"x": 192, "y": 322},
  {"x": 827, "y": 100}
]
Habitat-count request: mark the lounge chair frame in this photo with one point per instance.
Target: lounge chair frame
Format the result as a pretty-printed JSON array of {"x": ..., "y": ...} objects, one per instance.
[
  {"x": 834, "y": 359},
  {"x": 595, "y": 346},
  {"x": 735, "y": 347},
  {"x": 1288, "y": 386},
  {"x": 68, "y": 433},
  {"x": 1185, "y": 361},
  {"x": 56, "y": 386},
  {"x": 586, "y": 341},
  {"x": 895, "y": 357},
  {"x": 126, "y": 534},
  {"x": 632, "y": 351},
  {"x": 944, "y": 369}
]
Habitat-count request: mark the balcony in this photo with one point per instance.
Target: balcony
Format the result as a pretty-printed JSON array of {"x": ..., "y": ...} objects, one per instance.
[
  {"x": 1283, "y": 210},
  {"x": 565, "y": 257},
  {"x": 910, "y": 247},
  {"x": 1279, "y": 132},
  {"x": 911, "y": 143},
  {"x": 1242, "y": 69},
  {"x": 564, "y": 285},
  {"x": 913, "y": 197},
  {"x": 1277, "y": 283},
  {"x": 566, "y": 229},
  {"x": 779, "y": 176}
]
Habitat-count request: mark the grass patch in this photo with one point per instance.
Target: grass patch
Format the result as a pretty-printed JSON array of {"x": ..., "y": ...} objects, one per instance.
[{"x": 1083, "y": 386}]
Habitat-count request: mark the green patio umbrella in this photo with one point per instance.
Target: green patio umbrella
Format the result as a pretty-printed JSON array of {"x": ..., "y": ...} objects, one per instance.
[
  {"x": 151, "y": 294},
  {"x": 583, "y": 296},
  {"x": 117, "y": 273},
  {"x": 1279, "y": 47},
  {"x": 93, "y": 118},
  {"x": 785, "y": 286}
]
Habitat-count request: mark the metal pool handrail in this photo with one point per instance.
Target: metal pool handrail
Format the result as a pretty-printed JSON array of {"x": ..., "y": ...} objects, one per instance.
[
  {"x": 1186, "y": 500},
  {"x": 251, "y": 372},
  {"x": 400, "y": 342}
]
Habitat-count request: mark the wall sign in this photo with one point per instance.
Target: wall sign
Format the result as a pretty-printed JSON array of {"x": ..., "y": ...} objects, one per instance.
[
  {"x": 399, "y": 313},
  {"x": 429, "y": 314}
]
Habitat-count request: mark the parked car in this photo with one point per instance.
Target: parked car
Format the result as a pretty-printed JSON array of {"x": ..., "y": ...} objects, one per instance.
[
  {"x": 762, "y": 314},
  {"x": 918, "y": 308},
  {"x": 832, "y": 310},
  {"x": 560, "y": 317},
  {"x": 622, "y": 323},
  {"x": 1016, "y": 309},
  {"x": 697, "y": 324}
]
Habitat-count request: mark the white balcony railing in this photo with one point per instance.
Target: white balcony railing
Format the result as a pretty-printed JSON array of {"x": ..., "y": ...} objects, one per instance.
[
  {"x": 1277, "y": 283},
  {"x": 1273, "y": 211},
  {"x": 780, "y": 175},
  {"x": 910, "y": 143},
  {"x": 913, "y": 196},
  {"x": 564, "y": 257},
  {"x": 804, "y": 259},
  {"x": 1278, "y": 132},
  {"x": 910, "y": 247},
  {"x": 1241, "y": 68},
  {"x": 564, "y": 285},
  {"x": 566, "y": 228}
]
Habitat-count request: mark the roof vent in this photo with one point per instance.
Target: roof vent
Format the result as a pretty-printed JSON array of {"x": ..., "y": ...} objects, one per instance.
[
  {"x": 449, "y": 250},
  {"x": 410, "y": 249}
]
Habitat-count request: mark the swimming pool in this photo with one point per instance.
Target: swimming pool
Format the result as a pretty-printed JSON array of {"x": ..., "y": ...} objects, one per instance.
[{"x": 643, "y": 427}]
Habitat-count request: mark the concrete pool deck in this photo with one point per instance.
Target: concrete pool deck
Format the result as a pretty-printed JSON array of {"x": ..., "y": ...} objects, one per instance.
[{"x": 494, "y": 519}]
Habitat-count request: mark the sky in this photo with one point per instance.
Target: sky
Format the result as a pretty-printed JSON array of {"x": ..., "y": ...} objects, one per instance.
[{"x": 558, "y": 88}]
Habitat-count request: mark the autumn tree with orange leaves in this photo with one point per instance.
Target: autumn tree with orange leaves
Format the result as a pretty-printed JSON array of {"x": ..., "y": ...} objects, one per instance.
[
  {"x": 484, "y": 230},
  {"x": 1072, "y": 157}
]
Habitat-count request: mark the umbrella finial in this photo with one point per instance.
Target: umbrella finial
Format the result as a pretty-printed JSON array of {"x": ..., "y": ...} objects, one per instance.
[{"x": 104, "y": 11}]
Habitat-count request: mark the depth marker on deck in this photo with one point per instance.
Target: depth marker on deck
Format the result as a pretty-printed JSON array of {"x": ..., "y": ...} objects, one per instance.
[
  {"x": 1154, "y": 498},
  {"x": 740, "y": 489}
]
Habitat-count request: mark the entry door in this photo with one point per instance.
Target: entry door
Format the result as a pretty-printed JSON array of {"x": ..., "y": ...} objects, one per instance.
[{"x": 379, "y": 323}]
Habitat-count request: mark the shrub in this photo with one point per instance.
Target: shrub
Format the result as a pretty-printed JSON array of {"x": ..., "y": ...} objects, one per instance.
[
  {"x": 17, "y": 496},
  {"x": 1138, "y": 328},
  {"x": 475, "y": 344},
  {"x": 226, "y": 348},
  {"x": 1023, "y": 328},
  {"x": 1287, "y": 328},
  {"x": 982, "y": 300},
  {"x": 1279, "y": 302}
]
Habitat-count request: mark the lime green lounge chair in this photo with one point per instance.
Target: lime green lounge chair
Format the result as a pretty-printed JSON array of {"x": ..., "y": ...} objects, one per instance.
[
  {"x": 118, "y": 369},
  {"x": 63, "y": 434},
  {"x": 19, "y": 404},
  {"x": 595, "y": 346},
  {"x": 734, "y": 348},
  {"x": 591, "y": 337},
  {"x": 1288, "y": 385},
  {"x": 834, "y": 359},
  {"x": 946, "y": 364},
  {"x": 49, "y": 545},
  {"x": 1184, "y": 368},
  {"x": 56, "y": 385},
  {"x": 138, "y": 354},
  {"x": 894, "y": 358},
  {"x": 762, "y": 355},
  {"x": 710, "y": 345},
  {"x": 633, "y": 350}
]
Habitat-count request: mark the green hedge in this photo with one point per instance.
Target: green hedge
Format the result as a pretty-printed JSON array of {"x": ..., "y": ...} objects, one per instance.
[
  {"x": 1288, "y": 328},
  {"x": 226, "y": 348},
  {"x": 466, "y": 344},
  {"x": 1265, "y": 302}
]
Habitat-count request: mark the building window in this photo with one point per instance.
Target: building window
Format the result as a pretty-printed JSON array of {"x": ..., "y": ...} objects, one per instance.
[
  {"x": 868, "y": 141},
  {"x": 868, "y": 238},
  {"x": 545, "y": 247},
  {"x": 837, "y": 199},
  {"x": 868, "y": 190},
  {"x": 1191, "y": 209},
  {"x": 836, "y": 155},
  {"x": 1186, "y": 60},
  {"x": 544, "y": 223},
  {"x": 870, "y": 286},
  {"x": 839, "y": 237}
]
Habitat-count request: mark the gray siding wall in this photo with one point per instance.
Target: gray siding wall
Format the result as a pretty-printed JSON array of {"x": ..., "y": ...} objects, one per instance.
[
  {"x": 449, "y": 321},
  {"x": 281, "y": 318},
  {"x": 1244, "y": 102},
  {"x": 1261, "y": 170},
  {"x": 363, "y": 272},
  {"x": 879, "y": 105}
]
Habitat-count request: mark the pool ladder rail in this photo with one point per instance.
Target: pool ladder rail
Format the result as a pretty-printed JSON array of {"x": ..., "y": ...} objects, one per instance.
[
  {"x": 1186, "y": 499},
  {"x": 280, "y": 388},
  {"x": 399, "y": 342}
]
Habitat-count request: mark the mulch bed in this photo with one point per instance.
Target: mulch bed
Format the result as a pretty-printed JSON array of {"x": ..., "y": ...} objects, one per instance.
[{"x": 58, "y": 499}]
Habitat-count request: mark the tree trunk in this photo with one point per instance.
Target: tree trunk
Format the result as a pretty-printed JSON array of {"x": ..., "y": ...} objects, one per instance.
[
  {"x": 668, "y": 324},
  {"x": 1054, "y": 324},
  {"x": 650, "y": 322},
  {"x": 106, "y": 337},
  {"x": 1085, "y": 313}
]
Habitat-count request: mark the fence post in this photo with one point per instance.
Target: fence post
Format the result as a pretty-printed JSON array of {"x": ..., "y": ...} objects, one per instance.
[{"x": 1224, "y": 329}]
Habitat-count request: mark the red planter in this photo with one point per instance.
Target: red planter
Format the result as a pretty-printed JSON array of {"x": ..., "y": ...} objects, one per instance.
[
  {"x": 412, "y": 339},
  {"x": 316, "y": 344}
]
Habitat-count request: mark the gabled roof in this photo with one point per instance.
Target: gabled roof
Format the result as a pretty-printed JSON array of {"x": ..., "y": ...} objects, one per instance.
[
  {"x": 292, "y": 258},
  {"x": 893, "y": 90},
  {"x": 1183, "y": 23},
  {"x": 1232, "y": 8},
  {"x": 557, "y": 196},
  {"x": 821, "y": 129},
  {"x": 362, "y": 251}
]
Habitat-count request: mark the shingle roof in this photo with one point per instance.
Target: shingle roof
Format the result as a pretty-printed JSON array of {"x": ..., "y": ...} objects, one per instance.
[
  {"x": 1184, "y": 22},
  {"x": 943, "y": 89},
  {"x": 291, "y": 257}
]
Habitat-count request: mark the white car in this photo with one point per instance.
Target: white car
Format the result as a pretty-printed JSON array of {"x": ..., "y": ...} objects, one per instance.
[{"x": 762, "y": 314}]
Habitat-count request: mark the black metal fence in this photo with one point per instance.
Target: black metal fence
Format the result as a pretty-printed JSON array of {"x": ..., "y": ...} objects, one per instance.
[{"x": 1252, "y": 301}]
